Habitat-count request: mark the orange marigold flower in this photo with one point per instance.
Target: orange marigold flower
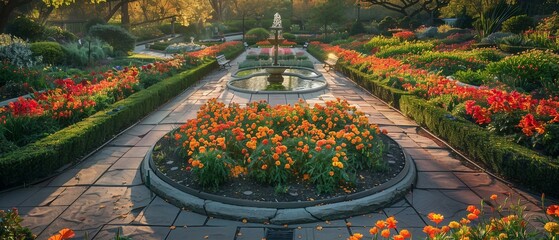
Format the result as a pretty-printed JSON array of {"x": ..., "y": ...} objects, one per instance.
[
  {"x": 287, "y": 166},
  {"x": 405, "y": 233},
  {"x": 385, "y": 233},
  {"x": 493, "y": 197},
  {"x": 380, "y": 224},
  {"x": 436, "y": 218},
  {"x": 331, "y": 173},
  {"x": 65, "y": 233},
  {"x": 391, "y": 222},
  {"x": 454, "y": 224},
  {"x": 278, "y": 163},
  {"x": 553, "y": 210},
  {"x": 373, "y": 230},
  {"x": 471, "y": 208},
  {"x": 472, "y": 216},
  {"x": 445, "y": 229},
  {"x": 398, "y": 237},
  {"x": 264, "y": 167}
]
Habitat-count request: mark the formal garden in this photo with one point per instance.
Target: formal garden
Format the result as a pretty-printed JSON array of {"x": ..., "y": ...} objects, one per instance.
[{"x": 480, "y": 78}]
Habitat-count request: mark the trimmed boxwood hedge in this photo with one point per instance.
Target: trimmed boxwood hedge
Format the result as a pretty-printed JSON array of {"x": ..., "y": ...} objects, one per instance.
[
  {"x": 44, "y": 157},
  {"x": 517, "y": 163}
]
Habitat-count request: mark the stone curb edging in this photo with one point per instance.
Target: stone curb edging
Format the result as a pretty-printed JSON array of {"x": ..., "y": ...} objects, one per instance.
[
  {"x": 303, "y": 91},
  {"x": 318, "y": 212}
]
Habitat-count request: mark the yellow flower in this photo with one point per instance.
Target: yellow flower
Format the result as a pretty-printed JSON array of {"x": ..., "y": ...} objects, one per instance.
[
  {"x": 503, "y": 236},
  {"x": 552, "y": 227}
]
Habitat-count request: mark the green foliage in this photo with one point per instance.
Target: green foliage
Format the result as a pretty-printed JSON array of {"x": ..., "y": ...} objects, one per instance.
[
  {"x": 25, "y": 28},
  {"x": 447, "y": 63},
  {"x": 379, "y": 41},
  {"x": 357, "y": 28},
  {"x": 518, "y": 24},
  {"x": 19, "y": 55},
  {"x": 387, "y": 23},
  {"x": 490, "y": 22},
  {"x": 51, "y": 52},
  {"x": 94, "y": 21},
  {"x": 549, "y": 24},
  {"x": 146, "y": 32},
  {"x": 256, "y": 34},
  {"x": 215, "y": 171},
  {"x": 7, "y": 39},
  {"x": 10, "y": 226},
  {"x": 529, "y": 71},
  {"x": 58, "y": 34},
  {"x": 120, "y": 39},
  {"x": 550, "y": 141},
  {"x": 92, "y": 50},
  {"x": 476, "y": 78},
  {"x": 405, "y": 48},
  {"x": 16, "y": 81},
  {"x": 289, "y": 37}
]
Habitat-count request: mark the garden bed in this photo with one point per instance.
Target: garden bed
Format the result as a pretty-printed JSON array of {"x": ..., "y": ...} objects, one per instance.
[
  {"x": 43, "y": 157},
  {"x": 517, "y": 163}
]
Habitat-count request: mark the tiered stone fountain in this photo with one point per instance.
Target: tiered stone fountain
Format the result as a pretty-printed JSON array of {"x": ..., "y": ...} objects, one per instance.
[{"x": 277, "y": 77}]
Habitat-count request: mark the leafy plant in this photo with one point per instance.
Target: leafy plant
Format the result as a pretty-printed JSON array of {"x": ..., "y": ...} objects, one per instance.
[
  {"x": 405, "y": 48},
  {"x": 471, "y": 77},
  {"x": 19, "y": 54},
  {"x": 120, "y": 39},
  {"x": 490, "y": 22},
  {"x": 518, "y": 24},
  {"x": 51, "y": 52},
  {"x": 10, "y": 226},
  {"x": 529, "y": 71}
]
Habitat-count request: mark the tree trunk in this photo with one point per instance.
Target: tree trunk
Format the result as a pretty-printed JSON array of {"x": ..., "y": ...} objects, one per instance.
[
  {"x": 6, "y": 10},
  {"x": 124, "y": 15}
]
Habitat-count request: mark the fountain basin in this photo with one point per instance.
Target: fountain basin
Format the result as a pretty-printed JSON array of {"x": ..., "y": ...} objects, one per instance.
[{"x": 277, "y": 79}]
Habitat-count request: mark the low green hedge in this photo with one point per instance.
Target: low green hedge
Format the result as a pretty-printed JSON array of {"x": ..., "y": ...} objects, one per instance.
[
  {"x": 42, "y": 158},
  {"x": 515, "y": 162},
  {"x": 45, "y": 156},
  {"x": 376, "y": 86}
]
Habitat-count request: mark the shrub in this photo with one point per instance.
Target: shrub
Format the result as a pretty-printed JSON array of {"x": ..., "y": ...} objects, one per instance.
[
  {"x": 120, "y": 39},
  {"x": 10, "y": 226},
  {"x": 290, "y": 37},
  {"x": 379, "y": 41},
  {"x": 7, "y": 39},
  {"x": 94, "y": 21},
  {"x": 387, "y": 23},
  {"x": 518, "y": 24},
  {"x": 58, "y": 34},
  {"x": 549, "y": 24},
  {"x": 19, "y": 55},
  {"x": 79, "y": 54},
  {"x": 147, "y": 32},
  {"x": 357, "y": 28},
  {"x": 405, "y": 48},
  {"x": 447, "y": 63},
  {"x": 495, "y": 37},
  {"x": 25, "y": 28},
  {"x": 476, "y": 78},
  {"x": 51, "y": 52},
  {"x": 531, "y": 70},
  {"x": 256, "y": 35},
  {"x": 404, "y": 35}
]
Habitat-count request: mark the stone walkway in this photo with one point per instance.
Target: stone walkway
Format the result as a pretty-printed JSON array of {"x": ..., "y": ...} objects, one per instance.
[{"x": 104, "y": 193}]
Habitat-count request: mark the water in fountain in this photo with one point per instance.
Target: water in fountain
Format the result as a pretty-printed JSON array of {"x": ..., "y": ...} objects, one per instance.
[{"x": 275, "y": 77}]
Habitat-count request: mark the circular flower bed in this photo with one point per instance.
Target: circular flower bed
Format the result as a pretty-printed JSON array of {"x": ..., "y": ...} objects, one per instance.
[{"x": 325, "y": 146}]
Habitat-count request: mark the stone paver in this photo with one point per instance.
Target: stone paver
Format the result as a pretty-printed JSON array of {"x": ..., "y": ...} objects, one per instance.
[{"x": 104, "y": 193}]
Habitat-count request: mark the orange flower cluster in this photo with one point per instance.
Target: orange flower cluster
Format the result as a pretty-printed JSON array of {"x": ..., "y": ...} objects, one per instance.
[
  {"x": 383, "y": 228},
  {"x": 481, "y": 103},
  {"x": 276, "y": 145}
]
